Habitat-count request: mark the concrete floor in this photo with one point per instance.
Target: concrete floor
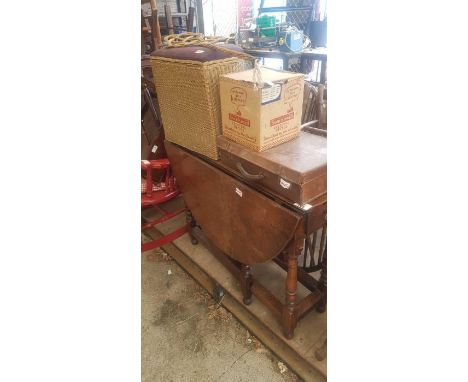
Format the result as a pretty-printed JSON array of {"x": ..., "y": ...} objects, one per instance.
[{"x": 186, "y": 336}]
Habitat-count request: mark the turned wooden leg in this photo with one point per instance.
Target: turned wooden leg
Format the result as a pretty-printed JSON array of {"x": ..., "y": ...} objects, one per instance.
[
  {"x": 191, "y": 225},
  {"x": 246, "y": 283},
  {"x": 322, "y": 304},
  {"x": 290, "y": 307},
  {"x": 321, "y": 352}
]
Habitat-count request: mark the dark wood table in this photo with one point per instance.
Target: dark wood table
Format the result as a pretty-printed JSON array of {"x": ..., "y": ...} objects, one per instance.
[
  {"x": 317, "y": 54},
  {"x": 245, "y": 225},
  {"x": 274, "y": 53}
]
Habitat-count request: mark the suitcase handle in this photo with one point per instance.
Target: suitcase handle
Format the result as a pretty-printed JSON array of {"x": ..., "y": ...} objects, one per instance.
[{"x": 246, "y": 174}]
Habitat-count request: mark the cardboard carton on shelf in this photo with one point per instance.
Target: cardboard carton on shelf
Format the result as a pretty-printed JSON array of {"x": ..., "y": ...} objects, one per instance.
[{"x": 261, "y": 118}]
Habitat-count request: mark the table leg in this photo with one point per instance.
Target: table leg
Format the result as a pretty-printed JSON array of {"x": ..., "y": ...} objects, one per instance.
[
  {"x": 290, "y": 307},
  {"x": 246, "y": 284},
  {"x": 323, "y": 71},
  {"x": 303, "y": 64},
  {"x": 191, "y": 225},
  {"x": 321, "y": 353},
  {"x": 322, "y": 304}
]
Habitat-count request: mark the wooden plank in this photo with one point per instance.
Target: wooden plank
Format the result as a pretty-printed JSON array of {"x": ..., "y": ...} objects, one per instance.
[
  {"x": 179, "y": 13},
  {"x": 200, "y": 21},
  {"x": 170, "y": 24},
  {"x": 144, "y": 30},
  {"x": 307, "y": 304},
  {"x": 302, "y": 276},
  {"x": 155, "y": 28},
  {"x": 267, "y": 299},
  {"x": 190, "y": 18}
]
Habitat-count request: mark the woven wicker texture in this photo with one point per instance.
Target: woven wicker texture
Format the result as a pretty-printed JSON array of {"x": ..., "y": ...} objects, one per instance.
[{"x": 188, "y": 94}]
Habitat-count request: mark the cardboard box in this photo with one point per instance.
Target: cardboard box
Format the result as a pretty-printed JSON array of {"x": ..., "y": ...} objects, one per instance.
[{"x": 261, "y": 118}]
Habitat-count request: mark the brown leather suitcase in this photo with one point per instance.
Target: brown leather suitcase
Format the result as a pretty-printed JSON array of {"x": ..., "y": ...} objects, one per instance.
[{"x": 295, "y": 170}]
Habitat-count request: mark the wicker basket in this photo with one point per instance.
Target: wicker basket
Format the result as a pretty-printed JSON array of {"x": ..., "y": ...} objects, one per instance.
[{"x": 187, "y": 84}]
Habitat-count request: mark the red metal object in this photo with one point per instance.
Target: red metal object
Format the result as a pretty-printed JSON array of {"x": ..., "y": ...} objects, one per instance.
[
  {"x": 164, "y": 240},
  {"x": 155, "y": 193}
]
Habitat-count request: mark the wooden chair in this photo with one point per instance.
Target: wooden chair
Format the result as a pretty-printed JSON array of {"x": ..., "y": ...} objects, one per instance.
[
  {"x": 150, "y": 29},
  {"x": 314, "y": 106},
  {"x": 179, "y": 22}
]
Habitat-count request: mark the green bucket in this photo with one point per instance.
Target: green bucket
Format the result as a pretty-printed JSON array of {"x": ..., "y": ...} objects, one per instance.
[{"x": 266, "y": 22}]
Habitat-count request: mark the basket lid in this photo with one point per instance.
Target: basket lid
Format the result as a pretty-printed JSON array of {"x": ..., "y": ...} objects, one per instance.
[{"x": 201, "y": 53}]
